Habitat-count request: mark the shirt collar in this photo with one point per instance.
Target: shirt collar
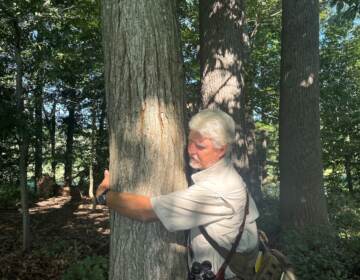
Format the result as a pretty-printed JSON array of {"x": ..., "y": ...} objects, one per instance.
[{"x": 213, "y": 170}]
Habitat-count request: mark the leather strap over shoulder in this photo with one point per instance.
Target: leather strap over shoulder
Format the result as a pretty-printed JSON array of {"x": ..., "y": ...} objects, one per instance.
[{"x": 213, "y": 243}]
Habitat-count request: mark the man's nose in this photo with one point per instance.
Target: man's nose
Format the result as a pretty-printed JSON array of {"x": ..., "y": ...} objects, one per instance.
[{"x": 190, "y": 149}]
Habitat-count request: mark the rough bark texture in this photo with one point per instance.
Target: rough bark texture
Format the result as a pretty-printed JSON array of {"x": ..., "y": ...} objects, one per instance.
[
  {"x": 144, "y": 89},
  {"x": 223, "y": 51},
  {"x": 23, "y": 138},
  {"x": 302, "y": 200}
]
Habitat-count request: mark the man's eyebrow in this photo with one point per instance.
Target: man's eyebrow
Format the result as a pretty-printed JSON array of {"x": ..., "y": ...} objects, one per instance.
[{"x": 200, "y": 144}]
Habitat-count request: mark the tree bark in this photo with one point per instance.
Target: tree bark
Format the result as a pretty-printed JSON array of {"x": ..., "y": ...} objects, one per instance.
[
  {"x": 101, "y": 147},
  {"x": 23, "y": 138},
  {"x": 92, "y": 153},
  {"x": 262, "y": 154},
  {"x": 70, "y": 125},
  {"x": 38, "y": 133},
  {"x": 144, "y": 89},
  {"x": 349, "y": 179},
  {"x": 302, "y": 200},
  {"x": 224, "y": 49},
  {"x": 52, "y": 131}
]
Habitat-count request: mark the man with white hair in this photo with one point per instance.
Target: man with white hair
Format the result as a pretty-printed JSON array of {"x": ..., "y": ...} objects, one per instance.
[{"x": 217, "y": 200}]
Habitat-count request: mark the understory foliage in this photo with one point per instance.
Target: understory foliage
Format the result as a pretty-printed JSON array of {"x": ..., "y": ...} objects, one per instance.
[
  {"x": 10, "y": 196},
  {"x": 91, "y": 268},
  {"x": 320, "y": 252}
]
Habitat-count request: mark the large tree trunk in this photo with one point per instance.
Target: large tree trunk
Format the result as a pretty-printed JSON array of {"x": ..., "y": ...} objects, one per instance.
[
  {"x": 302, "y": 200},
  {"x": 223, "y": 51},
  {"x": 144, "y": 88},
  {"x": 23, "y": 138}
]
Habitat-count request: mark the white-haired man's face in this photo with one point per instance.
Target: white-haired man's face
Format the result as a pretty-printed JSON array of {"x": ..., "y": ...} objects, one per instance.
[{"x": 202, "y": 152}]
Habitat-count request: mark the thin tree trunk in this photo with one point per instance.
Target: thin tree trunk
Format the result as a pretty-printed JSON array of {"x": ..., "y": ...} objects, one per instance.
[
  {"x": 144, "y": 87},
  {"x": 262, "y": 154},
  {"x": 302, "y": 199},
  {"x": 224, "y": 49},
  {"x": 92, "y": 154},
  {"x": 23, "y": 139},
  {"x": 52, "y": 132},
  {"x": 70, "y": 122},
  {"x": 101, "y": 147},
  {"x": 38, "y": 134},
  {"x": 349, "y": 178}
]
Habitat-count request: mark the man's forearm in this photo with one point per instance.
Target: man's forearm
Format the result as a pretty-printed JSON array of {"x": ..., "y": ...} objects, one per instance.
[{"x": 130, "y": 205}]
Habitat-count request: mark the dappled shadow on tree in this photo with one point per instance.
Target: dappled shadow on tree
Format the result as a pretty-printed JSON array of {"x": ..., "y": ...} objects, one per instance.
[
  {"x": 145, "y": 165},
  {"x": 63, "y": 232},
  {"x": 224, "y": 48}
]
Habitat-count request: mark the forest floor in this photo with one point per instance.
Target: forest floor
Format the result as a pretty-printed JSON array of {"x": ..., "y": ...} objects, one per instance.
[{"x": 63, "y": 231}]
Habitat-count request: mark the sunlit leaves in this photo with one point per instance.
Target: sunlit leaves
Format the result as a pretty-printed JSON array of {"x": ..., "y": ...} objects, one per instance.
[{"x": 340, "y": 101}]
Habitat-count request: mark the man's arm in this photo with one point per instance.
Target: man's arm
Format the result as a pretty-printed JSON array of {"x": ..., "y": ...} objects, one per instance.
[
  {"x": 133, "y": 206},
  {"x": 130, "y": 205}
]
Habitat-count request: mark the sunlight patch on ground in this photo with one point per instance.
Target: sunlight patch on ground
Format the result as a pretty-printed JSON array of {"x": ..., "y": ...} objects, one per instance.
[{"x": 50, "y": 203}]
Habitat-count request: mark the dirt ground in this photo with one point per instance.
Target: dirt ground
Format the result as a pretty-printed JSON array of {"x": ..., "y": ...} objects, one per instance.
[{"x": 63, "y": 231}]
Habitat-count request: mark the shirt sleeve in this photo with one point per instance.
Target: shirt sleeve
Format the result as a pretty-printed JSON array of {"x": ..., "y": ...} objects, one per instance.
[{"x": 190, "y": 208}]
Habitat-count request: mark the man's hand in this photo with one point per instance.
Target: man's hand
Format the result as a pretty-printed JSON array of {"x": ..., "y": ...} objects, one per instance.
[
  {"x": 130, "y": 205},
  {"x": 105, "y": 183}
]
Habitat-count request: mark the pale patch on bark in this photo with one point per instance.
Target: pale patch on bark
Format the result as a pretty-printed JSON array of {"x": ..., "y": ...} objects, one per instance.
[{"x": 308, "y": 82}]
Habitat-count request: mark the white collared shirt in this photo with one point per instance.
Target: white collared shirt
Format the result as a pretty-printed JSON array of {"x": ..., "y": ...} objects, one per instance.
[{"x": 217, "y": 201}]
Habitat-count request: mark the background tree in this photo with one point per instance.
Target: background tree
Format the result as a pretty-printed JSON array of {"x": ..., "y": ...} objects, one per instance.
[
  {"x": 17, "y": 25},
  {"x": 144, "y": 90},
  {"x": 302, "y": 200},
  {"x": 224, "y": 50}
]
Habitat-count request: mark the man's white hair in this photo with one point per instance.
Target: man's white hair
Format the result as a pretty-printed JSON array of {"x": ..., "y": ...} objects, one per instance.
[{"x": 216, "y": 125}]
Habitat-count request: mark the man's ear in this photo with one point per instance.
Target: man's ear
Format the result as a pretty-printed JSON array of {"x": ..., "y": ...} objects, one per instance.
[{"x": 222, "y": 151}]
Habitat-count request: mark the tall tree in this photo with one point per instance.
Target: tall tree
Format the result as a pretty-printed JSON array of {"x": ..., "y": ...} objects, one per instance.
[
  {"x": 38, "y": 132},
  {"x": 302, "y": 200},
  {"x": 224, "y": 50},
  {"x": 70, "y": 127},
  {"x": 101, "y": 149},
  {"x": 23, "y": 140},
  {"x": 144, "y": 89},
  {"x": 92, "y": 154},
  {"x": 16, "y": 23}
]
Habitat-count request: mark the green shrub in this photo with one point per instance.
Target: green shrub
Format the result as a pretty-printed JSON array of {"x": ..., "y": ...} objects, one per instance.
[
  {"x": 9, "y": 196},
  {"x": 319, "y": 254},
  {"x": 90, "y": 268}
]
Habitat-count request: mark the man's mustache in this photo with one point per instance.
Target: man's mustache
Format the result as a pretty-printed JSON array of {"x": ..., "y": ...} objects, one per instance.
[{"x": 194, "y": 158}]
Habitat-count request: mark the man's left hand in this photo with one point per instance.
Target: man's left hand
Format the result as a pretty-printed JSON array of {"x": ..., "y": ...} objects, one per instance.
[{"x": 105, "y": 184}]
